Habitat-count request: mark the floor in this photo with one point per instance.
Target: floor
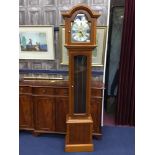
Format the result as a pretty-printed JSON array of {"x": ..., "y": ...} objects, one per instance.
[
  {"x": 115, "y": 141},
  {"x": 109, "y": 119},
  {"x": 109, "y": 111}
]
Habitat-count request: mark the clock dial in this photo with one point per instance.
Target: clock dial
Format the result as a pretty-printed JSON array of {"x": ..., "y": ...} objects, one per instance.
[{"x": 80, "y": 29}]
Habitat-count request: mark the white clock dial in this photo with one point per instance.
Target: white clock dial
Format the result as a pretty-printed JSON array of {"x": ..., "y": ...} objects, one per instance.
[{"x": 80, "y": 30}]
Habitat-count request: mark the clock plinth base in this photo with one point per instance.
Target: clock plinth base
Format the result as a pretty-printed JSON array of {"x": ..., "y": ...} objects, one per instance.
[
  {"x": 79, "y": 148},
  {"x": 79, "y": 134}
]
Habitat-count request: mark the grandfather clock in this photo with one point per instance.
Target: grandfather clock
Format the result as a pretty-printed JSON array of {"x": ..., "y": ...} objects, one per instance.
[{"x": 80, "y": 40}]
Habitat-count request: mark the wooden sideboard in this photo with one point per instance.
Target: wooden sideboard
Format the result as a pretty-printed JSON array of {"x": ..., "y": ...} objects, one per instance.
[{"x": 43, "y": 105}]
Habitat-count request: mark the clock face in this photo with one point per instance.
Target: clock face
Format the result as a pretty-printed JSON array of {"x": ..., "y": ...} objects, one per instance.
[{"x": 80, "y": 29}]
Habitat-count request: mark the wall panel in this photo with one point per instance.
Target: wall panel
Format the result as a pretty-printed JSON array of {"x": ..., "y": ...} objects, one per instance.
[
  {"x": 49, "y": 2},
  {"x": 22, "y": 17},
  {"x": 34, "y": 2},
  {"x": 49, "y": 16},
  {"x": 64, "y": 2},
  {"x": 34, "y": 15},
  {"x": 22, "y": 3}
]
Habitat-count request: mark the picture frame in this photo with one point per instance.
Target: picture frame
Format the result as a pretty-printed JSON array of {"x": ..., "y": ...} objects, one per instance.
[
  {"x": 36, "y": 42},
  {"x": 98, "y": 54}
]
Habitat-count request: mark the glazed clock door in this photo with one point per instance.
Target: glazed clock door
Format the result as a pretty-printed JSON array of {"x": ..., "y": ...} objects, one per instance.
[
  {"x": 80, "y": 82},
  {"x": 80, "y": 76}
]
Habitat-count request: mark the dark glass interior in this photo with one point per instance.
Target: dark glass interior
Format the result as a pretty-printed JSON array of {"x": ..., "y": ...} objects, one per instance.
[{"x": 80, "y": 75}]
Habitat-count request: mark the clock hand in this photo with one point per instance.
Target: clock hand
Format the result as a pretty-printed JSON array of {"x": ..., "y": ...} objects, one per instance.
[{"x": 81, "y": 33}]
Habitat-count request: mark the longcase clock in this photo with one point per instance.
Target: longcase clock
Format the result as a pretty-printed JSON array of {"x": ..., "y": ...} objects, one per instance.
[{"x": 80, "y": 40}]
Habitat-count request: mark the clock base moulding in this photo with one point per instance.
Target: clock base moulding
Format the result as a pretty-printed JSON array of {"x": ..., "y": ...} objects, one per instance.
[{"x": 79, "y": 134}]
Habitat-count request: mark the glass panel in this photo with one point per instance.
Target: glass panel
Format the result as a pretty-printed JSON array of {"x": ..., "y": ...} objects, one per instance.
[
  {"x": 113, "y": 57},
  {"x": 80, "y": 29},
  {"x": 114, "y": 50},
  {"x": 80, "y": 75}
]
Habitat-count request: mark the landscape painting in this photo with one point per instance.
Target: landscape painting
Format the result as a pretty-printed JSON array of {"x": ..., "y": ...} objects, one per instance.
[
  {"x": 33, "y": 41},
  {"x": 36, "y": 42}
]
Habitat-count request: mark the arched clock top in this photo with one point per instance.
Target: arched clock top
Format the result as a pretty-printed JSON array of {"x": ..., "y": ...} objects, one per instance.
[
  {"x": 80, "y": 26},
  {"x": 80, "y": 8}
]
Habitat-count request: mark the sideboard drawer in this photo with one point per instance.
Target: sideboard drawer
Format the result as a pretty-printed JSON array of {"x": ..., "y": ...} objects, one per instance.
[
  {"x": 96, "y": 92},
  {"x": 62, "y": 91},
  {"x": 25, "y": 89},
  {"x": 43, "y": 90}
]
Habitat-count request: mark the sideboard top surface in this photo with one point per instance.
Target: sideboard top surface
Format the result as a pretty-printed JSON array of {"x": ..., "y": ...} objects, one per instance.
[{"x": 55, "y": 83}]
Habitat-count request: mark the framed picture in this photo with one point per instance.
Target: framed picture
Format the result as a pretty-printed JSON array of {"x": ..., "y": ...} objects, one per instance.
[
  {"x": 98, "y": 53},
  {"x": 36, "y": 42}
]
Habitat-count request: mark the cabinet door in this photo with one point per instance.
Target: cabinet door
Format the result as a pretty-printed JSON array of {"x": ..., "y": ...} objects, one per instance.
[
  {"x": 96, "y": 104},
  {"x": 62, "y": 109},
  {"x": 44, "y": 113},
  {"x": 25, "y": 111}
]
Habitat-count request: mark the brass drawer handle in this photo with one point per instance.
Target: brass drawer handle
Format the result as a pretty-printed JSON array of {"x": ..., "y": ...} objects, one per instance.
[{"x": 44, "y": 91}]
